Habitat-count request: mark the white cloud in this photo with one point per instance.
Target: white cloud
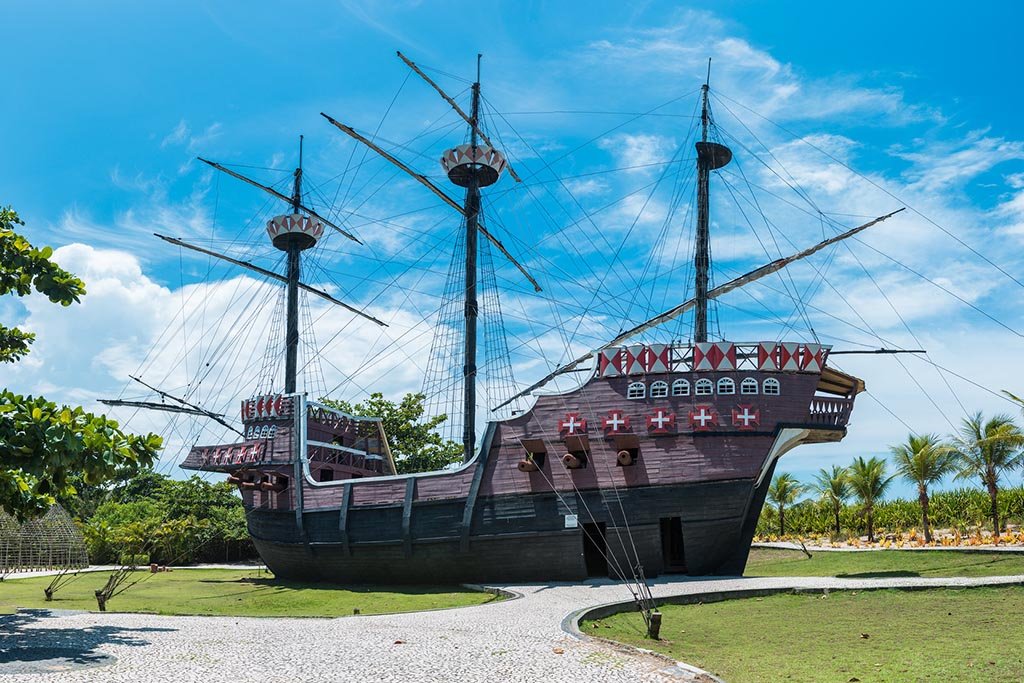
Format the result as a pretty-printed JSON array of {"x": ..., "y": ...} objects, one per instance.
[
  {"x": 639, "y": 153},
  {"x": 775, "y": 89},
  {"x": 178, "y": 136},
  {"x": 183, "y": 136},
  {"x": 587, "y": 187},
  {"x": 941, "y": 165}
]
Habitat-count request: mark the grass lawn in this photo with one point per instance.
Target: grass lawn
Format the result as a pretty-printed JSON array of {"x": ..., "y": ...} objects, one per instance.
[
  {"x": 234, "y": 593},
  {"x": 929, "y": 635},
  {"x": 882, "y": 563}
]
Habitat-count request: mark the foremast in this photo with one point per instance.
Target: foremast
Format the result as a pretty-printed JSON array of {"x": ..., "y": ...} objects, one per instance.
[
  {"x": 472, "y": 166},
  {"x": 472, "y": 206},
  {"x": 293, "y": 245}
]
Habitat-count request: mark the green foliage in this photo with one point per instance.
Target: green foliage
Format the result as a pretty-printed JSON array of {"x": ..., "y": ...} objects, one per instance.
[
  {"x": 782, "y": 492},
  {"x": 834, "y": 488},
  {"x": 924, "y": 460},
  {"x": 130, "y": 560},
  {"x": 169, "y": 521},
  {"x": 869, "y": 482},
  {"x": 415, "y": 443},
  {"x": 987, "y": 449},
  {"x": 45, "y": 447},
  {"x": 961, "y": 509},
  {"x": 23, "y": 267},
  {"x": 14, "y": 343}
]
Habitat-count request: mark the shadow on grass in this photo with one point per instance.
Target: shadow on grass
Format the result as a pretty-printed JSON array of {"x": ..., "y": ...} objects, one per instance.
[
  {"x": 21, "y": 645},
  {"x": 400, "y": 589},
  {"x": 265, "y": 583}
]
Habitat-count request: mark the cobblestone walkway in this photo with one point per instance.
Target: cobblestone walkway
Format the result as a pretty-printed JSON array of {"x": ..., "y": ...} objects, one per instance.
[{"x": 516, "y": 640}]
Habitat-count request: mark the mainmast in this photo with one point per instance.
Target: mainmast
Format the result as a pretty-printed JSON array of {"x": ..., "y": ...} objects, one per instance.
[
  {"x": 710, "y": 156},
  {"x": 293, "y": 234},
  {"x": 472, "y": 166}
]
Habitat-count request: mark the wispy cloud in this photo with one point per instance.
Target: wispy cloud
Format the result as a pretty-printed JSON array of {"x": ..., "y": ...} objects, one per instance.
[
  {"x": 183, "y": 136},
  {"x": 939, "y": 165}
]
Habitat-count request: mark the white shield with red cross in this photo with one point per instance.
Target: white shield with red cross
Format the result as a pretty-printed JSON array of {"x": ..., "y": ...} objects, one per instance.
[
  {"x": 572, "y": 424},
  {"x": 615, "y": 422},
  {"x": 746, "y": 417},
  {"x": 703, "y": 418},
  {"x": 661, "y": 421}
]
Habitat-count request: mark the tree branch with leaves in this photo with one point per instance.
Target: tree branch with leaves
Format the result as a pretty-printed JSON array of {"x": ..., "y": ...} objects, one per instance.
[{"x": 43, "y": 445}]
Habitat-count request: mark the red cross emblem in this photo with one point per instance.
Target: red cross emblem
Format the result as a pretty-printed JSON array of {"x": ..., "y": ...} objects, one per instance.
[
  {"x": 615, "y": 422},
  {"x": 660, "y": 421},
  {"x": 572, "y": 424},
  {"x": 745, "y": 417},
  {"x": 703, "y": 418}
]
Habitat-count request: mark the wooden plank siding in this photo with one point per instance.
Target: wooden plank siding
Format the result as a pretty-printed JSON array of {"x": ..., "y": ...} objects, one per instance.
[
  {"x": 684, "y": 456},
  {"x": 489, "y": 521}
]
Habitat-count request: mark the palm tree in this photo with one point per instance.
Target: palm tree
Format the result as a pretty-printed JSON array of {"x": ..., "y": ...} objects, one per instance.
[
  {"x": 783, "y": 491},
  {"x": 1016, "y": 399},
  {"x": 987, "y": 449},
  {"x": 834, "y": 488},
  {"x": 923, "y": 459},
  {"x": 869, "y": 483}
]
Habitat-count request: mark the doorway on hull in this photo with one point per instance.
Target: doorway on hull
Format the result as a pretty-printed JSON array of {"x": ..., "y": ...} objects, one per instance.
[
  {"x": 673, "y": 557},
  {"x": 595, "y": 550}
]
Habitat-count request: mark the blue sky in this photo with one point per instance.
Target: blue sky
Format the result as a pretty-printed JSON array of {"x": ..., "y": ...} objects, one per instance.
[{"x": 107, "y": 105}]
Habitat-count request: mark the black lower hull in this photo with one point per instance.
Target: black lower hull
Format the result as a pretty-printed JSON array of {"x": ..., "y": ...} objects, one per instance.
[{"x": 702, "y": 528}]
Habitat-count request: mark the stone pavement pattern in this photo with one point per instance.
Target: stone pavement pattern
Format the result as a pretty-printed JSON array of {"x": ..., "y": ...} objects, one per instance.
[{"x": 515, "y": 640}]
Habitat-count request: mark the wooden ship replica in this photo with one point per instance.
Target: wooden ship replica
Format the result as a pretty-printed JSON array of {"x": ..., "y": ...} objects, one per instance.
[{"x": 658, "y": 462}]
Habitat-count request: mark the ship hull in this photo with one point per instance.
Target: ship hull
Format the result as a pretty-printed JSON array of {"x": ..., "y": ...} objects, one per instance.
[
  {"x": 623, "y": 474},
  {"x": 697, "y": 529}
]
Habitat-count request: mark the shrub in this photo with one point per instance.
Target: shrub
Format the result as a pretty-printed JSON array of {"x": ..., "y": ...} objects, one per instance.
[
  {"x": 170, "y": 522},
  {"x": 961, "y": 509}
]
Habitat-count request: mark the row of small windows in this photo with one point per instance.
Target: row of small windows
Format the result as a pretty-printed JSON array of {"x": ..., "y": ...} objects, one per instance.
[{"x": 703, "y": 387}]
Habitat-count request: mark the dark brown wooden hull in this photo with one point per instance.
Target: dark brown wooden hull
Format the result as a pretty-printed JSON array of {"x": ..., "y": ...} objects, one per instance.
[
  {"x": 517, "y": 538},
  {"x": 622, "y": 472}
]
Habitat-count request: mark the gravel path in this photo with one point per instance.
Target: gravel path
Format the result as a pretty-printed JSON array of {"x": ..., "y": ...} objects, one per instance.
[{"x": 515, "y": 640}]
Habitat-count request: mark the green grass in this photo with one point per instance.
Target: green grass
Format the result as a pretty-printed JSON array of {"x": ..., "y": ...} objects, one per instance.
[
  {"x": 882, "y": 563},
  {"x": 929, "y": 635},
  {"x": 235, "y": 593}
]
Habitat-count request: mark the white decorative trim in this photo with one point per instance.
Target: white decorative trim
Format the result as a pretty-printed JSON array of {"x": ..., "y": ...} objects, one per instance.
[{"x": 786, "y": 440}]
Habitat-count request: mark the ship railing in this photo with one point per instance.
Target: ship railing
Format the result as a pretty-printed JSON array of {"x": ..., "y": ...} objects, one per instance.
[
  {"x": 832, "y": 412},
  {"x": 333, "y": 454},
  {"x": 641, "y": 359}
]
